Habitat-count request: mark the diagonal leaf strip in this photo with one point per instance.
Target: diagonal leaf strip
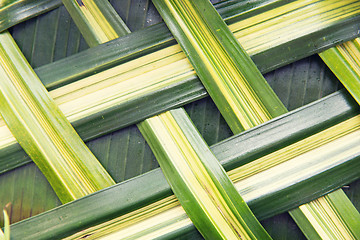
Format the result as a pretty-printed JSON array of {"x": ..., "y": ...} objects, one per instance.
[
  {"x": 183, "y": 86},
  {"x": 276, "y": 133},
  {"x": 13, "y": 12},
  {"x": 155, "y": 127},
  {"x": 288, "y": 47},
  {"x": 218, "y": 65},
  {"x": 43, "y": 131},
  {"x": 318, "y": 152},
  {"x": 330, "y": 207},
  {"x": 97, "y": 20},
  {"x": 50, "y": 140},
  {"x": 214, "y": 66},
  {"x": 344, "y": 61},
  {"x": 197, "y": 177},
  {"x": 189, "y": 23}
]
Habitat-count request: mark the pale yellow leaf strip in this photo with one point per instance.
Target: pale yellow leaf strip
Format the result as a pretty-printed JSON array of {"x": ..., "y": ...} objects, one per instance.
[
  {"x": 143, "y": 218},
  {"x": 95, "y": 18},
  {"x": 254, "y": 25}
]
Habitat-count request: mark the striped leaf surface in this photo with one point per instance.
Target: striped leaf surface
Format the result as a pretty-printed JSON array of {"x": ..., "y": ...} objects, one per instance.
[
  {"x": 215, "y": 64},
  {"x": 125, "y": 155},
  {"x": 281, "y": 169},
  {"x": 43, "y": 131},
  {"x": 198, "y": 180},
  {"x": 330, "y": 208},
  {"x": 307, "y": 80},
  {"x": 13, "y": 12},
  {"x": 97, "y": 20},
  {"x": 344, "y": 61},
  {"x": 289, "y": 47},
  {"x": 107, "y": 109},
  {"x": 214, "y": 203},
  {"x": 239, "y": 90},
  {"x": 251, "y": 142},
  {"x": 53, "y": 36},
  {"x": 231, "y": 78}
]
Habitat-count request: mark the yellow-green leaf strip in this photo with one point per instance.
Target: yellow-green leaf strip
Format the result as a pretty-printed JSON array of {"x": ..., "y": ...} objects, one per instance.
[
  {"x": 344, "y": 62},
  {"x": 332, "y": 216},
  {"x": 198, "y": 180},
  {"x": 42, "y": 129},
  {"x": 97, "y": 20},
  {"x": 231, "y": 78}
]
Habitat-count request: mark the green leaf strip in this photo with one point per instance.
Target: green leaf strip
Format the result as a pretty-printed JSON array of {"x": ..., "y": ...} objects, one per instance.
[
  {"x": 344, "y": 62},
  {"x": 290, "y": 47},
  {"x": 288, "y": 128},
  {"x": 152, "y": 57},
  {"x": 120, "y": 114},
  {"x": 198, "y": 92},
  {"x": 42, "y": 129},
  {"x": 6, "y": 234},
  {"x": 13, "y": 12},
  {"x": 238, "y": 90},
  {"x": 221, "y": 63},
  {"x": 198, "y": 180},
  {"x": 321, "y": 152},
  {"x": 97, "y": 20},
  {"x": 331, "y": 208}
]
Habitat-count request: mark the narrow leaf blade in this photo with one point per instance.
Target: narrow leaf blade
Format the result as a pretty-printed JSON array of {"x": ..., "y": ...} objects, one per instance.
[{"x": 43, "y": 131}]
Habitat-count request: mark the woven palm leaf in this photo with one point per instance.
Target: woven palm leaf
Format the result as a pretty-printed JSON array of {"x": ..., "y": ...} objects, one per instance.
[{"x": 124, "y": 153}]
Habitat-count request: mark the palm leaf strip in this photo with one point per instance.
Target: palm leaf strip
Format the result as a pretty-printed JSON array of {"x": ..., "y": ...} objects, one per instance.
[
  {"x": 185, "y": 85},
  {"x": 344, "y": 61},
  {"x": 224, "y": 215},
  {"x": 236, "y": 85},
  {"x": 198, "y": 180},
  {"x": 97, "y": 20},
  {"x": 5, "y": 235},
  {"x": 330, "y": 208},
  {"x": 244, "y": 19},
  {"x": 191, "y": 169},
  {"x": 43, "y": 131},
  {"x": 288, "y": 128},
  {"x": 280, "y": 170},
  {"x": 13, "y": 12},
  {"x": 230, "y": 77}
]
